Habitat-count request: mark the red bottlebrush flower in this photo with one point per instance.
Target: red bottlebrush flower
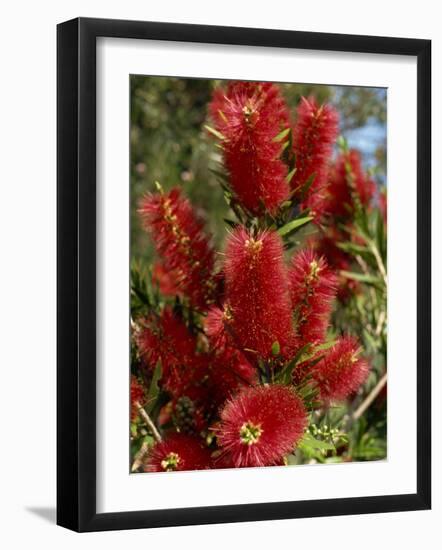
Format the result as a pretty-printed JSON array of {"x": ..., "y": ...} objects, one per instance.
[
  {"x": 260, "y": 425},
  {"x": 184, "y": 248},
  {"x": 215, "y": 328},
  {"x": 341, "y": 371},
  {"x": 313, "y": 287},
  {"x": 177, "y": 453},
  {"x": 348, "y": 182},
  {"x": 314, "y": 134},
  {"x": 167, "y": 339},
  {"x": 257, "y": 292},
  {"x": 230, "y": 372},
  {"x": 230, "y": 368},
  {"x": 250, "y": 115},
  {"x": 136, "y": 397}
]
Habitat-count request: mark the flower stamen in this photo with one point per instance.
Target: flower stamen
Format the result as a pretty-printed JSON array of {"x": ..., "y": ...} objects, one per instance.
[
  {"x": 170, "y": 463},
  {"x": 250, "y": 433}
]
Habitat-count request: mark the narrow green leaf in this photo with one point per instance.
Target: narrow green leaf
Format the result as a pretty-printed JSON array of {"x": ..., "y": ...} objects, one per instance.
[
  {"x": 305, "y": 188},
  {"x": 290, "y": 175},
  {"x": 310, "y": 442},
  {"x": 294, "y": 224},
  {"x": 230, "y": 223},
  {"x": 361, "y": 277},
  {"x": 220, "y": 175},
  {"x": 154, "y": 389},
  {"x": 285, "y": 376},
  {"x": 276, "y": 348},
  {"x": 281, "y": 135},
  {"x": 133, "y": 430},
  {"x": 342, "y": 144},
  {"x": 353, "y": 248},
  {"x": 285, "y": 205},
  {"x": 326, "y": 345}
]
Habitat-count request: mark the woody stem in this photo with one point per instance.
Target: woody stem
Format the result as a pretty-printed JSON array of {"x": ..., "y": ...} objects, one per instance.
[{"x": 149, "y": 422}]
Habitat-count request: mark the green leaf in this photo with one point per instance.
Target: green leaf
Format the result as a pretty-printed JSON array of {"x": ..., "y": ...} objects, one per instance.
[
  {"x": 361, "y": 277},
  {"x": 217, "y": 134},
  {"x": 305, "y": 188},
  {"x": 281, "y": 135},
  {"x": 290, "y": 175},
  {"x": 294, "y": 224},
  {"x": 231, "y": 223},
  {"x": 353, "y": 248},
  {"x": 285, "y": 376},
  {"x": 342, "y": 144},
  {"x": 285, "y": 205},
  {"x": 326, "y": 345},
  {"x": 309, "y": 442},
  {"x": 276, "y": 348},
  {"x": 220, "y": 175},
  {"x": 154, "y": 389}
]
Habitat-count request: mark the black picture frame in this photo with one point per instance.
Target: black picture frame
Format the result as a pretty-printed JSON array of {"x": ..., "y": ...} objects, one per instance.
[{"x": 76, "y": 274}]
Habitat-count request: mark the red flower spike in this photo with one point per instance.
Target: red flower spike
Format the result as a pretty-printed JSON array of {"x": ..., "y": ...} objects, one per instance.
[
  {"x": 179, "y": 239},
  {"x": 341, "y": 371},
  {"x": 136, "y": 396},
  {"x": 177, "y": 453},
  {"x": 347, "y": 182},
  {"x": 260, "y": 425},
  {"x": 230, "y": 372},
  {"x": 167, "y": 339},
  {"x": 215, "y": 328},
  {"x": 257, "y": 293},
  {"x": 313, "y": 287},
  {"x": 250, "y": 115},
  {"x": 314, "y": 134}
]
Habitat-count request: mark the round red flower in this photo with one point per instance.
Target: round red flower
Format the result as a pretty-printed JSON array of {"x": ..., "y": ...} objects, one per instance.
[
  {"x": 177, "y": 453},
  {"x": 260, "y": 425}
]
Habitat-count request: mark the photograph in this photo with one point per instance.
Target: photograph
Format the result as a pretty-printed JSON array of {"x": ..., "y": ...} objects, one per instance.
[{"x": 258, "y": 269}]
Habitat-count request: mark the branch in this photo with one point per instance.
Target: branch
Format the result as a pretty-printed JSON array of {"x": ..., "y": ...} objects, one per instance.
[
  {"x": 370, "y": 398},
  {"x": 139, "y": 457},
  {"x": 379, "y": 261},
  {"x": 148, "y": 421}
]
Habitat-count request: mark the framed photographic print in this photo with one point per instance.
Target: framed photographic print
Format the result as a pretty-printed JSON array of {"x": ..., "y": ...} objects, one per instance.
[{"x": 243, "y": 274}]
